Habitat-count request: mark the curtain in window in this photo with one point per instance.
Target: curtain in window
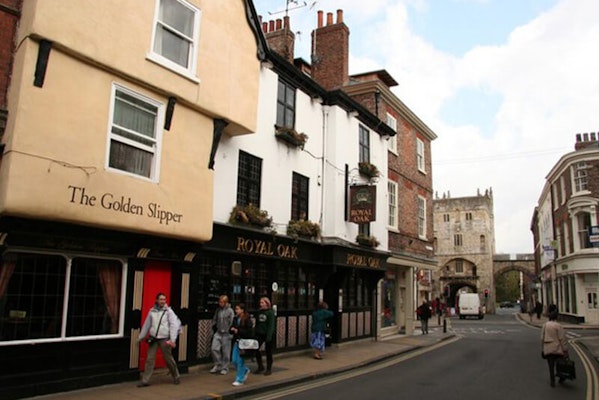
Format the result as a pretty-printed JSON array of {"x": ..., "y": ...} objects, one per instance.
[
  {"x": 8, "y": 267},
  {"x": 174, "y": 32},
  {"x": 110, "y": 280}
]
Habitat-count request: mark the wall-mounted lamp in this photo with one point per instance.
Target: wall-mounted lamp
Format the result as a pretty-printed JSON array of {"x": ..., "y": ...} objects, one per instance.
[{"x": 353, "y": 114}]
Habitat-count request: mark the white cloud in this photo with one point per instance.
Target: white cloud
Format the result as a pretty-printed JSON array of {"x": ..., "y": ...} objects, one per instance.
[{"x": 545, "y": 75}]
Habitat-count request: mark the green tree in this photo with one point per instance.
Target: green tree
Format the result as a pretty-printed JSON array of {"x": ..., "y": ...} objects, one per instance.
[{"x": 507, "y": 286}]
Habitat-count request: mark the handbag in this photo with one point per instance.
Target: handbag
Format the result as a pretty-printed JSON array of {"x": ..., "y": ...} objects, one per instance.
[{"x": 248, "y": 344}]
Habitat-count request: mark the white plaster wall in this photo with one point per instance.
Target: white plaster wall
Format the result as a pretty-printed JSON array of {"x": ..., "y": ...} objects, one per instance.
[{"x": 327, "y": 189}]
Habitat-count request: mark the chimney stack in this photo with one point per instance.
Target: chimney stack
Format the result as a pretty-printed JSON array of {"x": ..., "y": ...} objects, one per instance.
[
  {"x": 330, "y": 52},
  {"x": 280, "y": 38},
  {"x": 586, "y": 140}
]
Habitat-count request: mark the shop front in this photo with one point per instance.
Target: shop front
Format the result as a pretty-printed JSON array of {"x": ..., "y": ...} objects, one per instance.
[
  {"x": 72, "y": 300},
  {"x": 246, "y": 264}
]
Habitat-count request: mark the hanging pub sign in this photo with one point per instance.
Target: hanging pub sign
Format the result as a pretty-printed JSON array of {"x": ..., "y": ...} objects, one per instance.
[{"x": 362, "y": 204}]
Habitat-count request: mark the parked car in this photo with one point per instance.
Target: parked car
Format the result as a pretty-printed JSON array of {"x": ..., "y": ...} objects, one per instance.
[{"x": 506, "y": 304}]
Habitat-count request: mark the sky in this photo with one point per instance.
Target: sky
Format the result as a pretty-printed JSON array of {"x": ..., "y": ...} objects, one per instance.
[{"x": 505, "y": 85}]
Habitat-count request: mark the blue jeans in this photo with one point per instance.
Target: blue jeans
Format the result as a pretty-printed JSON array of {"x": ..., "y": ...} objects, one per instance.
[{"x": 239, "y": 363}]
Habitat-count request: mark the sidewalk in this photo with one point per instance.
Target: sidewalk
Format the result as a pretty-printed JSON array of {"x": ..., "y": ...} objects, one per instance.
[{"x": 288, "y": 368}]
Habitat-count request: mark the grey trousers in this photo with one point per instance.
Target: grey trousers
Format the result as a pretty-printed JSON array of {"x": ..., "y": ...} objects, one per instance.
[
  {"x": 151, "y": 360},
  {"x": 221, "y": 350}
]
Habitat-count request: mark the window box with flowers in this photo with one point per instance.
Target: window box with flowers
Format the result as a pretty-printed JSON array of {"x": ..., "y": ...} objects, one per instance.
[
  {"x": 291, "y": 136},
  {"x": 369, "y": 170},
  {"x": 303, "y": 229},
  {"x": 369, "y": 241},
  {"x": 250, "y": 215}
]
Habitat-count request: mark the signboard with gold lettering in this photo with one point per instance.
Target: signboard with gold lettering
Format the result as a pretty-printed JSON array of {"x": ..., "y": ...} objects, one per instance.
[{"x": 362, "y": 204}]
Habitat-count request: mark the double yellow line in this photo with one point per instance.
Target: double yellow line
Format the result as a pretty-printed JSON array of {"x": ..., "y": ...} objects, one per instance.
[{"x": 587, "y": 363}]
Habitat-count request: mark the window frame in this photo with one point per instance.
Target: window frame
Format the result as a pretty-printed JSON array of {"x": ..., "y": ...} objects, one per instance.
[
  {"x": 156, "y": 150},
  {"x": 392, "y": 140},
  {"x": 422, "y": 217},
  {"x": 252, "y": 184},
  {"x": 285, "y": 109},
  {"x": 392, "y": 206},
  {"x": 190, "y": 71},
  {"x": 66, "y": 303},
  {"x": 580, "y": 177},
  {"x": 363, "y": 144},
  {"x": 420, "y": 155},
  {"x": 300, "y": 197}
]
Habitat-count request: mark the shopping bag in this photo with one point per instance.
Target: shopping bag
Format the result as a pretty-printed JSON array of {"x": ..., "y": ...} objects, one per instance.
[{"x": 565, "y": 368}]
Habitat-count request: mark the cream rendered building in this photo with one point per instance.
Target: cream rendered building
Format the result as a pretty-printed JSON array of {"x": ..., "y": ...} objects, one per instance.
[{"x": 115, "y": 111}]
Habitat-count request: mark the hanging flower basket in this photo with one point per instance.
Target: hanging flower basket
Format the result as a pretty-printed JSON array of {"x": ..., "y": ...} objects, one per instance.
[
  {"x": 369, "y": 241},
  {"x": 369, "y": 170},
  {"x": 250, "y": 215},
  {"x": 304, "y": 229},
  {"x": 291, "y": 136}
]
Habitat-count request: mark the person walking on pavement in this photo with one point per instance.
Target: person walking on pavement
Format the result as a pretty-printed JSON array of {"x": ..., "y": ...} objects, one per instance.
[
  {"x": 319, "y": 322},
  {"x": 554, "y": 344},
  {"x": 424, "y": 312},
  {"x": 265, "y": 330},
  {"x": 162, "y": 325},
  {"x": 221, "y": 340},
  {"x": 242, "y": 329},
  {"x": 538, "y": 309}
]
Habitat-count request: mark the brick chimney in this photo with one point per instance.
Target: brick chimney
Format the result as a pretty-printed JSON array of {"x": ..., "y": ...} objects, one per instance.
[
  {"x": 330, "y": 52},
  {"x": 586, "y": 140},
  {"x": 280, "y": 37}
]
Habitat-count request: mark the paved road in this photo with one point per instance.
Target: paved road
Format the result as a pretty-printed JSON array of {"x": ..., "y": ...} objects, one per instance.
[{"x": 496, "y": 358}]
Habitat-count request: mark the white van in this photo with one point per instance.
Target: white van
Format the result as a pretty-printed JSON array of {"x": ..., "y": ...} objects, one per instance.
[{"x": 469, "y": 306}]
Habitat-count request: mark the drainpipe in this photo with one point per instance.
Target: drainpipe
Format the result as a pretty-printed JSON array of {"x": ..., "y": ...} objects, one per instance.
[{"x": 325, "y": 117}]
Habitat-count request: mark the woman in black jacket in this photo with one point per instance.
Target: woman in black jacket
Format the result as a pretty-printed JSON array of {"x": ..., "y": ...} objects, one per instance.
[{"x": 242, "y": 329}]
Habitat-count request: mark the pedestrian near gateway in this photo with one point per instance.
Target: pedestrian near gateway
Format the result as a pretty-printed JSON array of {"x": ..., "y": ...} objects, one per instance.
[{"x": 424, "y": 313}]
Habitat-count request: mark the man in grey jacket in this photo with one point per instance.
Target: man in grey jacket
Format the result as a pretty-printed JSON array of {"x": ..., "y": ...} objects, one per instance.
[{"x": 221, "y": 341}]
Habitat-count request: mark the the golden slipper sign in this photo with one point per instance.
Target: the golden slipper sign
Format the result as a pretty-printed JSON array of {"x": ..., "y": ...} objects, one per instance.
[{"x": 362, "y": 204}]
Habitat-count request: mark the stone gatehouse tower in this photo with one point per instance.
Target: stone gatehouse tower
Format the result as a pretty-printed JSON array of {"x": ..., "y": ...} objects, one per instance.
[{"x": 464, "y": 241}]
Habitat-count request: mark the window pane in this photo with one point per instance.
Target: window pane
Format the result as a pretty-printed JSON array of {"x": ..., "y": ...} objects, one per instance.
[
  {"x": 177, "y": 16},
  {"x": 130, "y": 159},
  {"x": 172, "y": 47},
  {"x": 31, "y": 296},
  {"x": 135, "y": 115},
  {"x": 94, "y": 297}
]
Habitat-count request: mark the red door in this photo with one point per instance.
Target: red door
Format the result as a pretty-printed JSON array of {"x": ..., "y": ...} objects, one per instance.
[{"x": 157, "y": 279}]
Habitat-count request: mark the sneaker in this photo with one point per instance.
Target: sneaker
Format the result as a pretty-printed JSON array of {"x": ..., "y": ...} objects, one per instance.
[
  {"x": 267, "y": 372},
  {"x": 237, "y": 383},
  {"x": 214, "y": 370},
  {"x": 143, "y": 384},
  {"x": 224, "y": 372},
  {"x": 245, "y": 374},
  {"x": 177, "y": 381},
  {"x": 259, "y": 370}
]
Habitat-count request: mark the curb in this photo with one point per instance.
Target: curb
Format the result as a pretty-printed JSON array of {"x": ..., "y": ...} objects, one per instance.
[{"x": 234, "y": 394}]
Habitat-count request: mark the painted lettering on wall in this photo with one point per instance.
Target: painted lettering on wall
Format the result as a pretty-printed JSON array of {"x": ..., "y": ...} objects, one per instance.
[
  {"x": 119, "y": 203},
  {"x": 264, "y": 248},
  {"x": 358, "y": 260}
]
